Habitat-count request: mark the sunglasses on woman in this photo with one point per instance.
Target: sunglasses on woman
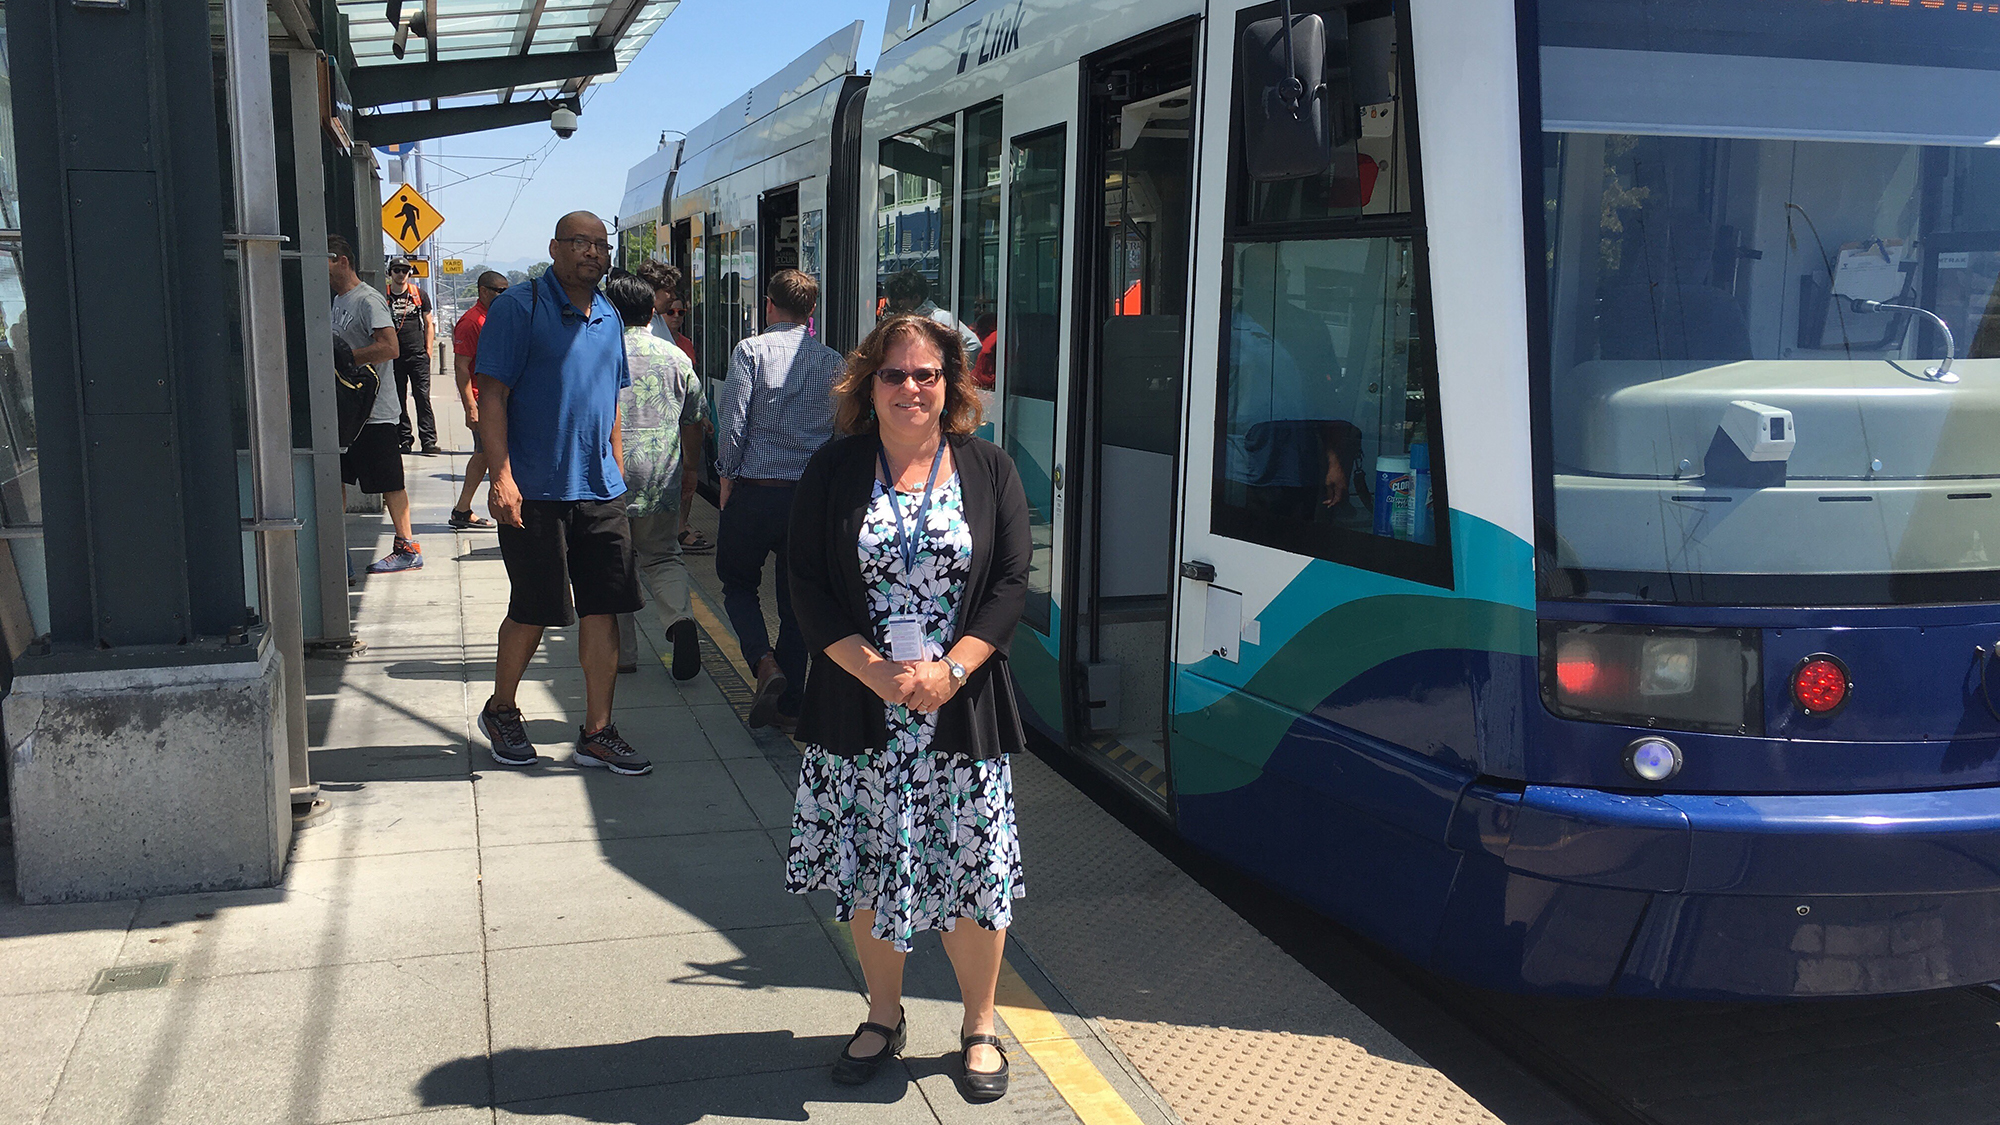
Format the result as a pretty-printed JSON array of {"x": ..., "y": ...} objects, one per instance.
[{"x": 896, "y": 376}]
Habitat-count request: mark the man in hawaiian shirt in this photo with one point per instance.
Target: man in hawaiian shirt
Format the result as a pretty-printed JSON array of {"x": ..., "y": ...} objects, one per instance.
[{"x": 660, "y": 412}]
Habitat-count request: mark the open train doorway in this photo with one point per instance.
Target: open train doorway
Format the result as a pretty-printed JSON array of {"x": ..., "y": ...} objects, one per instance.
[
  {"x": 678, "y": 241},
  {"x": 778, "y": 224},
  {"x": 1138, "y": 153}
]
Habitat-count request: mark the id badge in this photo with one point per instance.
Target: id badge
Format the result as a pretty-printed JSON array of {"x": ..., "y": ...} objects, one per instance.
[{"x": 906, "y": 637}]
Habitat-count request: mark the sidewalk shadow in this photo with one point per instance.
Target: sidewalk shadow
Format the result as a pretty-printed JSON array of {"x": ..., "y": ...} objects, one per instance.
[{"x": 754, "y": 1075}]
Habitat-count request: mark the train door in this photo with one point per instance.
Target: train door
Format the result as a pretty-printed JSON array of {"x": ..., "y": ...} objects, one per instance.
[
  {"x": 1137, "y": 161},
  {"x": 1317, "y": 617},
  {"x": 1038, "y": 222},
  {"x": 678, "y": 241},
  {"x": 778, "y": 226}
]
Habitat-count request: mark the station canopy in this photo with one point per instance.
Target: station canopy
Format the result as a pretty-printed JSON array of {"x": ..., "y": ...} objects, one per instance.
[{"x": 467, "y": 65}]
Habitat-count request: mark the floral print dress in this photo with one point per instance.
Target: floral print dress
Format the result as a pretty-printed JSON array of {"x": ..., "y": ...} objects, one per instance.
[{"x": 920, "y": 835}]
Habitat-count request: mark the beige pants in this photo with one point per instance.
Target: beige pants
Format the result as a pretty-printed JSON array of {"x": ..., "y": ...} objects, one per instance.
[{"x": 656, "y": 542}]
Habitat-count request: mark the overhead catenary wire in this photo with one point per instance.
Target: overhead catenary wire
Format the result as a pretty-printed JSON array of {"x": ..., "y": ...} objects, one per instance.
[{"x": 540, "y": 157}]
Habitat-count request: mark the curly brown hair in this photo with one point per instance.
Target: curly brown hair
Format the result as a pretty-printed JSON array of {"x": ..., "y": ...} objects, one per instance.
[{"x": 854, "y": 391}]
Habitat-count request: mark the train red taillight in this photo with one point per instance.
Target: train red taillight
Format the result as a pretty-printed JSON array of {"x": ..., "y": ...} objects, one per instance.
[{"x": 1820, "y": 685}]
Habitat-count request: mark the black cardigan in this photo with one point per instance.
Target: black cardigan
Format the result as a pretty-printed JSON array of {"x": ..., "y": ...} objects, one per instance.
[{"x": 840, "y": 713}]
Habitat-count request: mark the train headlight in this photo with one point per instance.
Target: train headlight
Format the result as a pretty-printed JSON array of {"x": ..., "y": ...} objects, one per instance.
[
  {"x": 1673, "y": 679},
  {"x": 1653, "y": 759}
]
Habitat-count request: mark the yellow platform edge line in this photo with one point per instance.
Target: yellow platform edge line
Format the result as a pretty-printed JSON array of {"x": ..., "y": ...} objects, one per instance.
[
  {"x": 1072, "y": 1073},
  {"x": 723, "y": 636},
  {"x": 1090, "y": 1096}
]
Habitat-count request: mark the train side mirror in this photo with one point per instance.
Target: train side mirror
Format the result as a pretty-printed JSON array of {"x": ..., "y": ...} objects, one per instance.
[{"x": 1287, "y": 114}]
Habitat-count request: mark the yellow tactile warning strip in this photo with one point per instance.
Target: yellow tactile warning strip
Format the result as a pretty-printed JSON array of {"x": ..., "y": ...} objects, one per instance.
[
  {"x": 736, "y": 689},
  {"x": 1213, "y": 1015}
]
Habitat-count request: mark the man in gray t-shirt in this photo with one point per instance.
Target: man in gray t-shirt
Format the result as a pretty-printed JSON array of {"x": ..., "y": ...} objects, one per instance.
[
  {"x": 358, "y": 316},
  {"x": 374, "y": 460}
]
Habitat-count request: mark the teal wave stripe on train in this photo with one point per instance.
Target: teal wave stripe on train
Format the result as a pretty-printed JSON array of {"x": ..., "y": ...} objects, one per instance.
[{"x": 1342, "y": 623}]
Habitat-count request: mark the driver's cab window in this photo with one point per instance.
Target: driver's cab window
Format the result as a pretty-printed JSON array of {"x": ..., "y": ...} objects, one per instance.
[{"x": 1327, "y": 441}]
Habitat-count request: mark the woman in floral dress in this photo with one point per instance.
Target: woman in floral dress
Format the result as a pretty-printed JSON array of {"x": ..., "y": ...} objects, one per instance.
[{"x": 909, "y": 552}]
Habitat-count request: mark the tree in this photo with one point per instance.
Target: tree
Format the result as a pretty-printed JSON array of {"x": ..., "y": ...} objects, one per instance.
[{"x": 535, "y": 270}]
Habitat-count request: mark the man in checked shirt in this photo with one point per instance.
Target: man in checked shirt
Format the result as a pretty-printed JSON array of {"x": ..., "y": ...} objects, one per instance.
[{"x": 775, "y": 411}]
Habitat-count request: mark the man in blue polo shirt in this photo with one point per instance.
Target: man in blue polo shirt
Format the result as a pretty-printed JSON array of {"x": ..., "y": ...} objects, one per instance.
[{"x": 551, "y": 363}]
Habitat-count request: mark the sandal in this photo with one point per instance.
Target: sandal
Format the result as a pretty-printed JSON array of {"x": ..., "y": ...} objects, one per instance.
[
  {"x": 460, "y": 521},
  {"x": 851, "y": 1071},
  {"x": 694, "y": 543},
  {"x": 983, "y": 1085}
]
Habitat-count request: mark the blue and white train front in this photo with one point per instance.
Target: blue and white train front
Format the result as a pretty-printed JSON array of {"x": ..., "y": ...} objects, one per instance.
[{"x": 1765, "y": 757}]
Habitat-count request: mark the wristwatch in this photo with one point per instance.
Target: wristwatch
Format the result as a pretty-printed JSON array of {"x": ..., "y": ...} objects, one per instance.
[{"x": 958, "y": 673}]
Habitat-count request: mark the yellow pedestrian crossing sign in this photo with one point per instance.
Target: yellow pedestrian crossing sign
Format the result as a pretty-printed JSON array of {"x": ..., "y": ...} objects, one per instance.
[{"x": 409, "y": 219}]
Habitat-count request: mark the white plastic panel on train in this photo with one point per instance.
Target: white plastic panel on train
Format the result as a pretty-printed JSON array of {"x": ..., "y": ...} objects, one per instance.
[
  {"x": 806, "y": 121},
  {"x": 1468, "y": 94},
  {"x": 829, "y": 59},
  {"x": 645, "y": 185}
]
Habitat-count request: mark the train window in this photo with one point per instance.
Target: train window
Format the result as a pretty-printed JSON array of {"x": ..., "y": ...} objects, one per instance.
[
  {"x": 1773, "y": 305},
  {"x": 1034, "y": 314},
  {"x": 979, "y": 234},
  {"x": 1363, "y": 77},
  {"x": 1327, "y": 425},
  {"x": 641, "y": 242},
  {"x": 913, "y": 212},
  {"x": 713, "y": 340}
]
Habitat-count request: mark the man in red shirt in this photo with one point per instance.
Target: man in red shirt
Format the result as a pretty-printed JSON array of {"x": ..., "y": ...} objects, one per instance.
[{"x": 465, "y": 348}]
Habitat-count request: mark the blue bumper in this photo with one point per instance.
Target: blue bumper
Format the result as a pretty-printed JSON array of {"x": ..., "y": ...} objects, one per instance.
[{"x": 1585, "y": 891}]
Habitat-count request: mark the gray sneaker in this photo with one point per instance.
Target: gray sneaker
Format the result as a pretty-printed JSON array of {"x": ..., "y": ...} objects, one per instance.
[
  {"x": 603, "y": 749},
  {"x": 509, "y": 738}
]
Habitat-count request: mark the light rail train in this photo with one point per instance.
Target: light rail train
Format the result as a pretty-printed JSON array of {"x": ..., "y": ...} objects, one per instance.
[{"x": 1536, "y": 517}]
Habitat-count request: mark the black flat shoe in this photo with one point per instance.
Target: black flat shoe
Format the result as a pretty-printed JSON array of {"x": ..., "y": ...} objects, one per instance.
[
  {"x": 983, "y": 1085},
  {"x": 851, "y": 1071},
  {"x": 687, "y": 649}
]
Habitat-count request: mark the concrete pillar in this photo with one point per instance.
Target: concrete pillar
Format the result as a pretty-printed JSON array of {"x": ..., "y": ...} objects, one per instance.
[
  {"x": 135, "y": 782},
  {"x": 148, "y": 738}
]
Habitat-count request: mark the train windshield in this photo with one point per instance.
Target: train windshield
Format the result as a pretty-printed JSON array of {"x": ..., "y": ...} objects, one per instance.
[{"x": 1774, "y": 325}]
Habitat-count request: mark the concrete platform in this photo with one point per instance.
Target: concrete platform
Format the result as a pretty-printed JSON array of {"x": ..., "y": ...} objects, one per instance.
[{"x": 459, "y": 942}]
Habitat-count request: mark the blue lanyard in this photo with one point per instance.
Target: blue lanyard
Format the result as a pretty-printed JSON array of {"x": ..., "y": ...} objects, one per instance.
[{"x": 906, "y": 542}]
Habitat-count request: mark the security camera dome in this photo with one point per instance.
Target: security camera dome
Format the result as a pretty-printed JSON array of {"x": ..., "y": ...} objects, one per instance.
[{"x": 563, "y": 122}]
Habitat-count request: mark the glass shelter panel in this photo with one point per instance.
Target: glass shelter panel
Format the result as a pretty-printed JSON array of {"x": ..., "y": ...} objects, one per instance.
[
  {"x": 1774, "y": 336},
  {"x": 23, "y": 576},
  {"x": 1034, "y": 335}
]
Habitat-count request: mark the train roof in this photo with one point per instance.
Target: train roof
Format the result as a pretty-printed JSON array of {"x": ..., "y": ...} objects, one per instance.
[
  {"x": 821, "y": 67},
  {"x": 943, "y": 55}
]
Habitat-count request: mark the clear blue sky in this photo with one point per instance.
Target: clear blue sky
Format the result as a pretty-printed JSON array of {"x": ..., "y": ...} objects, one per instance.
[{"x": 707, "y": 53}]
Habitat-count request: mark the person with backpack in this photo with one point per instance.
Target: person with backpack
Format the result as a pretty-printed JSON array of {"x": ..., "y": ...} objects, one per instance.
[{"x": 372, "y": 459}]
